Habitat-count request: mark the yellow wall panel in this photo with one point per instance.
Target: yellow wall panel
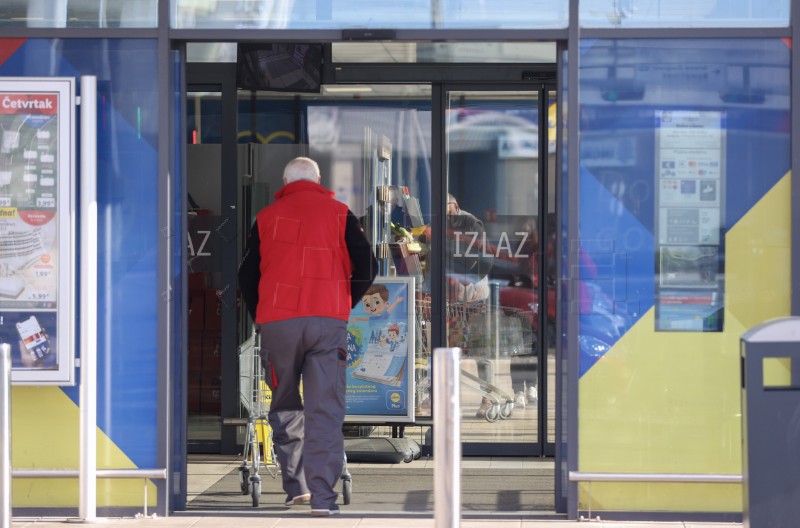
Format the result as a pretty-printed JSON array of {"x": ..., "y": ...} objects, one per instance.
[
  {"x": 670, "y": 402},
  {"x": 45, "y": 435}
]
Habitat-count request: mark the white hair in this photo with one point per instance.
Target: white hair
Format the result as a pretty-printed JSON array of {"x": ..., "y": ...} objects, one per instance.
[{"x": 301, "y": 169}]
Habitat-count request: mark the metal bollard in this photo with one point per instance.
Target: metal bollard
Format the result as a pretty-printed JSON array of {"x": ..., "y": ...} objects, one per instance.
[
  {"x": 5, "y": 435},
  {"x": 446, "y": 438}
]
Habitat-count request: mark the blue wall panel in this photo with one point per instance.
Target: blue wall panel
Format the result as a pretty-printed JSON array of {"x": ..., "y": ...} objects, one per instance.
[{"x": 128, "y": 223}]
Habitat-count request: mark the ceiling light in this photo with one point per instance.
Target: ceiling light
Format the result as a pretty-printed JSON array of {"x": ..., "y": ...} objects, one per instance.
[{"x": 343, "y": 88}]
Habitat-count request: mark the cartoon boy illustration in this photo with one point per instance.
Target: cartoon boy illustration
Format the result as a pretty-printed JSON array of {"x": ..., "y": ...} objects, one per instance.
[
  {"x": 376, "y": 303},
  {"x": 394, "y": 334}
]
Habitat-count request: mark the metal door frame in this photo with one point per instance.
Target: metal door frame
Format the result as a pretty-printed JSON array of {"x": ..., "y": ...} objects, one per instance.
[{"x": 221, "y": 77}]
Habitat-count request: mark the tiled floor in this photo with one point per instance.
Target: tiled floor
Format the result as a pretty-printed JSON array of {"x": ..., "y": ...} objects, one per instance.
[{"x": 205, "y": 470}]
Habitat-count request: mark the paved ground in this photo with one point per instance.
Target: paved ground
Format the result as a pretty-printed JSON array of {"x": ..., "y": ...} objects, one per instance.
[
  {"x": 213, "y": 501},
  {"x": 347, "y": 520}
]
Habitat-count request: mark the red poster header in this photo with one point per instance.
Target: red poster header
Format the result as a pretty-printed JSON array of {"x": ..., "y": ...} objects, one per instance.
[{"x": 23, "y": 103}]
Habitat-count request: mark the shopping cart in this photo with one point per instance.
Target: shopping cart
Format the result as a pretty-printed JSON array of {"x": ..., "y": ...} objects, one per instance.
[
  {"x": 259, "y": 451},
  {"x": 255, "y": 396},
  {"x": 472, "y": 327}
]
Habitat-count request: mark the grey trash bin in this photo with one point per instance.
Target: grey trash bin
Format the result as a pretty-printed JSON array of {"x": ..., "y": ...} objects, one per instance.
[{"x": 771, "y": 424}]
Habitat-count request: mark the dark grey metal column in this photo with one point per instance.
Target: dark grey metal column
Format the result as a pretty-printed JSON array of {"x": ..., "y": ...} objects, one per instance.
[
  {"x": 795, "y": 204},
  {"x": 229, "y": 246},
  {"x": 438, "y": 195},
  {"x": 567, "y": 291},
  {"x": 168, "y": 301}
]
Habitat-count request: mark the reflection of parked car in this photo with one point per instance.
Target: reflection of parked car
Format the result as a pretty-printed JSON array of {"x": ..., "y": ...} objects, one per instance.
[
  {"x": 525, "y": 301},
  {"x": 602, "y": 323}
]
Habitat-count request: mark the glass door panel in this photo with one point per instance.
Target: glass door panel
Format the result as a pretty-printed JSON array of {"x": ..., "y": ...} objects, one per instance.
[
  {"x": 377, "y": 156},
  {"x": 204, "y": 262},
  {"x": 372, "y": 143},
  {"x": 492, "y": 261}
]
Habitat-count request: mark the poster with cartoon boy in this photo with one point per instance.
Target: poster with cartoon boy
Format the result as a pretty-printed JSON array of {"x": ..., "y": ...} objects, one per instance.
[{"x": 379, "y": 351}]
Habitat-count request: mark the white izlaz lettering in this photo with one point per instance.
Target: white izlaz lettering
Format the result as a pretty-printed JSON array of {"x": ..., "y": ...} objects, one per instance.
[{"x": 503, "y": 245}]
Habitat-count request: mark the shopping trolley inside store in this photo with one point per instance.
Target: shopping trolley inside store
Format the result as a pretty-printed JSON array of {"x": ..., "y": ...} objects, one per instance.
[
  {"x": 259, "y": 450},
  {"x": 485, "y": 332},
  {"x": 255, "y": 396}
]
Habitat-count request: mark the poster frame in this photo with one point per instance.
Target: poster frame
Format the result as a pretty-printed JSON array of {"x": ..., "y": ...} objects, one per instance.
[
  {"x": 672, "y": 314},
  {"x": 64, "y": 88},
  {"x": 408, "y": 317}
]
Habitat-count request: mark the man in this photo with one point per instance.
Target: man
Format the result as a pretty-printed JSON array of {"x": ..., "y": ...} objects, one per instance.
[
  {"x": 467, "y": 261},
  {"x": 307, "y": 263},
  {"x": 466, "y": 257}
]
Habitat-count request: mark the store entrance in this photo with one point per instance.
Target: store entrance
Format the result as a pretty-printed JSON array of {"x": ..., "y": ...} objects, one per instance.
[{"x": 455, "y": 184}]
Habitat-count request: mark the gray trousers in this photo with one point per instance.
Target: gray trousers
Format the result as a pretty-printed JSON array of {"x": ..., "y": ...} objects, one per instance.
[{"x": 307, "y": 431}]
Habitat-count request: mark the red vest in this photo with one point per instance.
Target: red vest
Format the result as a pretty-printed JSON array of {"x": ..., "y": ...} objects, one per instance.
[{"x": 305, "y": 265}]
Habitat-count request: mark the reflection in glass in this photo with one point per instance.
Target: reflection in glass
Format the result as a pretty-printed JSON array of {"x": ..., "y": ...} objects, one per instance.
[
  {"x": 79, "y": 14},
  {"x": 338, "y": 14},
  {"x": 698, "y": 13},
  {"x": 719, "y": 180},
  {"x": 491, "y": 260}
]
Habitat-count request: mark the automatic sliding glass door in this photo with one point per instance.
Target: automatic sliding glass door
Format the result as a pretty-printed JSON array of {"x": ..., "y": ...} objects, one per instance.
[{"x": 496, "y": 267}]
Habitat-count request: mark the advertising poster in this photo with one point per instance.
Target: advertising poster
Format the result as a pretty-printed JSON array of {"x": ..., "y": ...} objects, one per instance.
[
  {"x": 690, "y": 151},
  {"x": 380, "y": 353},
  {"x": 36, "y": 144}
]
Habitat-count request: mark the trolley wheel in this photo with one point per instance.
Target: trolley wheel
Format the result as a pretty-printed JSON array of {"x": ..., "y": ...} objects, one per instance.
[
  {"x": 256, "y": 492},
  {"x": 408, "y": 458},
  {"x": 493, "y": 413},
  {"x": 347, "y": 490},
  {"x": 506, "y": 410},
  {"x": 244, "y": 480}
]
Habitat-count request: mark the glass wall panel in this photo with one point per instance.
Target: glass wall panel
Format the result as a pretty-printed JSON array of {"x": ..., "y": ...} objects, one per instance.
[
  {"x": 684, "y": 244},
  {"x": 79, "y": 13},
  {"x": 346, "y": 14},
  {"x": 449, "y": 52},
  {"x": 127, "y": 265},
  {"x": 684, "y": 13}
]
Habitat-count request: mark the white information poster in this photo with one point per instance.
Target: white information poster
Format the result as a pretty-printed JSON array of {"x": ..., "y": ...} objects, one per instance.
[
  {"x": 690, "y": 154},
  {"x": 37, "y": 130}
]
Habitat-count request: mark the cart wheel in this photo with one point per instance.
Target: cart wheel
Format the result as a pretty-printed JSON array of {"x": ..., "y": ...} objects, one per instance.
[
  {"x": 506, "y": 410},
  {"x": 347, "y": 490},
  {"x": 493, "y": 413},
  {"x": 408, "y": 458},
  {"x": 256, "y": 492},
  {"x": 244, "y": 480}
]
